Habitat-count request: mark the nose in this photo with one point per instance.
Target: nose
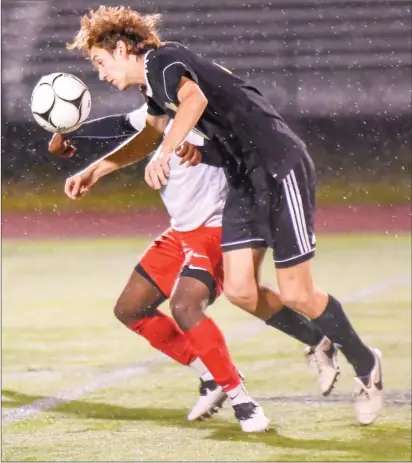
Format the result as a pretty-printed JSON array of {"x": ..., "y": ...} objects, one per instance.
[{"x": 102, "y": 75}]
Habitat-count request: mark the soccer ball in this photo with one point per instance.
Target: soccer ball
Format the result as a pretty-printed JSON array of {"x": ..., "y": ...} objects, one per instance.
[{"x": 60, "y": 102}]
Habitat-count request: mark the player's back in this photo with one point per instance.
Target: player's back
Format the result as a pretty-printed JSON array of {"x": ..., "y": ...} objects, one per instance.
[
  {"x": 237, "y": 113},
  {"x": 228, "y": 95}
]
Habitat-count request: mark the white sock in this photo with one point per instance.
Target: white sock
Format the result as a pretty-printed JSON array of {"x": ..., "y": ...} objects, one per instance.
[
  {"x": 238, "y": 395},
  {"x": 200, "y": 369}
]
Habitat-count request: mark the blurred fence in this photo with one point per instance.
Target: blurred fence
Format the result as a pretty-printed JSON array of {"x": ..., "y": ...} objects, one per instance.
[{"x": 339, "y": 70}]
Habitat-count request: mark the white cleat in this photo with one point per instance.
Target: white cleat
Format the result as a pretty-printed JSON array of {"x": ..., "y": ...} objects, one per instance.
[
  {"x": 324, "y": 358},
  {"x": 210, "y": 401},
  {"x": 369, "y": 397},
  {"x": 251, "y": 417}
]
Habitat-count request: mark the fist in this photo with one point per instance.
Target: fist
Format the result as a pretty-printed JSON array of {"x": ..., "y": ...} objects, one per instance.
[
  {"x": 79, "y": 184},
  {"x": 61, "y": 147}
]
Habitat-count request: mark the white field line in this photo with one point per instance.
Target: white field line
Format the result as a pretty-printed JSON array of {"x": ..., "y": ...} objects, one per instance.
[{"x": 120, "y": 375}]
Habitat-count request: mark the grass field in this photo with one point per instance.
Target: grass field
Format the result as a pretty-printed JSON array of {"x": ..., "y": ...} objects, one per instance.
[{"x": 77, "y": 386}]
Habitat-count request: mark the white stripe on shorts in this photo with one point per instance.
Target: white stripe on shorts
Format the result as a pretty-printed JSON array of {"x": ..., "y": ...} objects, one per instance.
[
  {"x": 296, "y": 213},
  {"x": 302, "y": 212},
  {"x": 242, "y": 241},
  {"x": 294, "y": 257}
]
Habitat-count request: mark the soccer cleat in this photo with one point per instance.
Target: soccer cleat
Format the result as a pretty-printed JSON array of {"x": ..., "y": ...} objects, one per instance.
[
  {"x": 369, "y": 393},
  {"x": 210, "y": 400},
  {"x": 251, "y": 417},
  {"x": 324, "y": 357}
]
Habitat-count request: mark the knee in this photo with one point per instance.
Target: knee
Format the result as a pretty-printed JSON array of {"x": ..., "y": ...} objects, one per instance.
[
  {"x": 183, "y": 310},
  {"x": 127, "y": 312},
  {"x": 242, "y": 295}
]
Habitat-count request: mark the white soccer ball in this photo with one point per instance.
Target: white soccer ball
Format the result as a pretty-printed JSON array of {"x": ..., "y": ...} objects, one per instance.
[{"x": 60, "y": 102}]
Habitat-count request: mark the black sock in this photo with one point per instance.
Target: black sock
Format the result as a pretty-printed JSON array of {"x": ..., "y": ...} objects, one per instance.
[
  {"x": 296, "y": 325},
  {"x": 336, "y": 326}
]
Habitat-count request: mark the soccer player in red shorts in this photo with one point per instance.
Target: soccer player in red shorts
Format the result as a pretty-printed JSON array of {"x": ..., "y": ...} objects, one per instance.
[{"x": 184, "y": 264}]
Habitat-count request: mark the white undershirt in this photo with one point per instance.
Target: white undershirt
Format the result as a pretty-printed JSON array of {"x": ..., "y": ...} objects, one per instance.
[{"x": 193, "y": 196}]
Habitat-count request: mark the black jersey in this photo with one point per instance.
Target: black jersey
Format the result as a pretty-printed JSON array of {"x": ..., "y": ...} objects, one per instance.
[{"x": 238, "y": 117}]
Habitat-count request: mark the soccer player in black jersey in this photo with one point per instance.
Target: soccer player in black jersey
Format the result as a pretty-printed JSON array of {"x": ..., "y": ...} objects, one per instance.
[
  {"x": 272, "y": 177},
  {"x": 121, "y": 126}
]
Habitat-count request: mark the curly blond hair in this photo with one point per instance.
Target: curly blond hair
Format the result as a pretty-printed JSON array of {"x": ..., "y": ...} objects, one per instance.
[{"x": 104, "y": 27}]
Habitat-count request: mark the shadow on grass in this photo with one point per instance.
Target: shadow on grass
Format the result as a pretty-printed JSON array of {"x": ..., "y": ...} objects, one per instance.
[{"x": 381, "y": 442}]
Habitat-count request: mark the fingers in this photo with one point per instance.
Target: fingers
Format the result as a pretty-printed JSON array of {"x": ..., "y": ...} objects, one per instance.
[
  {"x": 190, "y": 154},
  {"x": 162, "y": 172},
  {"x": 152, "y": 178},
  {"x": 83, "y": 191},
  {"x": 157, "y": 172},
  {"x": 69, "y": 150},
  {"x": 147, "y": 177},
  {"x": 195, "y": 159},
  {"x": 183, "y": 149},
  {"x": 68, "y": 188},
  {"x": 185, "y": 152},
  {"x": 61, "y": 147},
  {"x": 192, "y": 159},
  {"x": 74, "y": 188}
]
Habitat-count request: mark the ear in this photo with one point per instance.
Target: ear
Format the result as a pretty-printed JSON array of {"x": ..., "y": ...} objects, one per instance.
[{"x": 121, "y": 49}]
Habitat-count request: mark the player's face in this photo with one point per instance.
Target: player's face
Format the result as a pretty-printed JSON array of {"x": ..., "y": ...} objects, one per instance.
[{"x": 113, "y": 68}]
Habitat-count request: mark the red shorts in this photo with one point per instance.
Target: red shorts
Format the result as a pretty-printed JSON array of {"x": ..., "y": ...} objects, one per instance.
[{"x": 195, "y": 254}]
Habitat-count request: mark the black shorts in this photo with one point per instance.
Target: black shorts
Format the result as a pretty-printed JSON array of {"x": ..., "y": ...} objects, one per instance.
[{"x": 280, "y": 216}]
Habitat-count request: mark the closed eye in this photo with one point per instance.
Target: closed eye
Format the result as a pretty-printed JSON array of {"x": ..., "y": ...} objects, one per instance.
[{"x": 97, "y": 63}]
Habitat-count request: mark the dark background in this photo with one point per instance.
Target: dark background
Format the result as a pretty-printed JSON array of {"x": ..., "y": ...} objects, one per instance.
[{"x": 339, "y": 71}]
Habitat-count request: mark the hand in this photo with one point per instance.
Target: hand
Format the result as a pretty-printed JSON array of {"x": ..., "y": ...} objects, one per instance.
[
  {"x": 61, "y": 147},
  {"x": 78, "y": 185},
  {"x": 157, "y": 170},
  {"x": 189, "y": 153}
]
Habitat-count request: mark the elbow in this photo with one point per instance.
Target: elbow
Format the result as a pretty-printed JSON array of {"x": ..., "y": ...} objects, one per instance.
[
  {"x": 203, "y": 102},
  {"x": 191, "y": 95},
  {"x": 197, "y": 103}
]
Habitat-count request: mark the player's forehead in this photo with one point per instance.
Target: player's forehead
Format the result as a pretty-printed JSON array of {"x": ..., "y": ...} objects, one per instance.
[{"x": 98, "y": 53}]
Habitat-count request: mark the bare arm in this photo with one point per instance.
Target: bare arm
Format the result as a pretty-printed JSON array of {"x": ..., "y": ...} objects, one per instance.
[
  {"x": 132, "y": 150},
  {"x": 192, "y": 105},
  {"x": 129, "y": 152}
]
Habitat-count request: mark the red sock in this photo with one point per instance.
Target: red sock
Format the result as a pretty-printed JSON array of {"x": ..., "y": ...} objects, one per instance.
[
  {"x": 209, "y": 343},
  {"x": 163, "y": 334}
]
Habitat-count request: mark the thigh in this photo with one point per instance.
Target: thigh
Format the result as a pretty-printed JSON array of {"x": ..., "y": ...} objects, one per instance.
[
  {"x": 203, "y": 258},
  {"x": 162, "y": 261},
  {"x": 240, "y": 228},
  {"x": 242, "y": 270},
  {"x": 138, "y": 299},
  {"x": 292, "y": 218},
  {"x": 241, "y": 267}
]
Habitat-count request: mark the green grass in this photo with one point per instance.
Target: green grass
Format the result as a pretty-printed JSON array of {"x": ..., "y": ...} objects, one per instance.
[
  {"x": 59, "y": 333},
  {"x": 126, "y": 193}
]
